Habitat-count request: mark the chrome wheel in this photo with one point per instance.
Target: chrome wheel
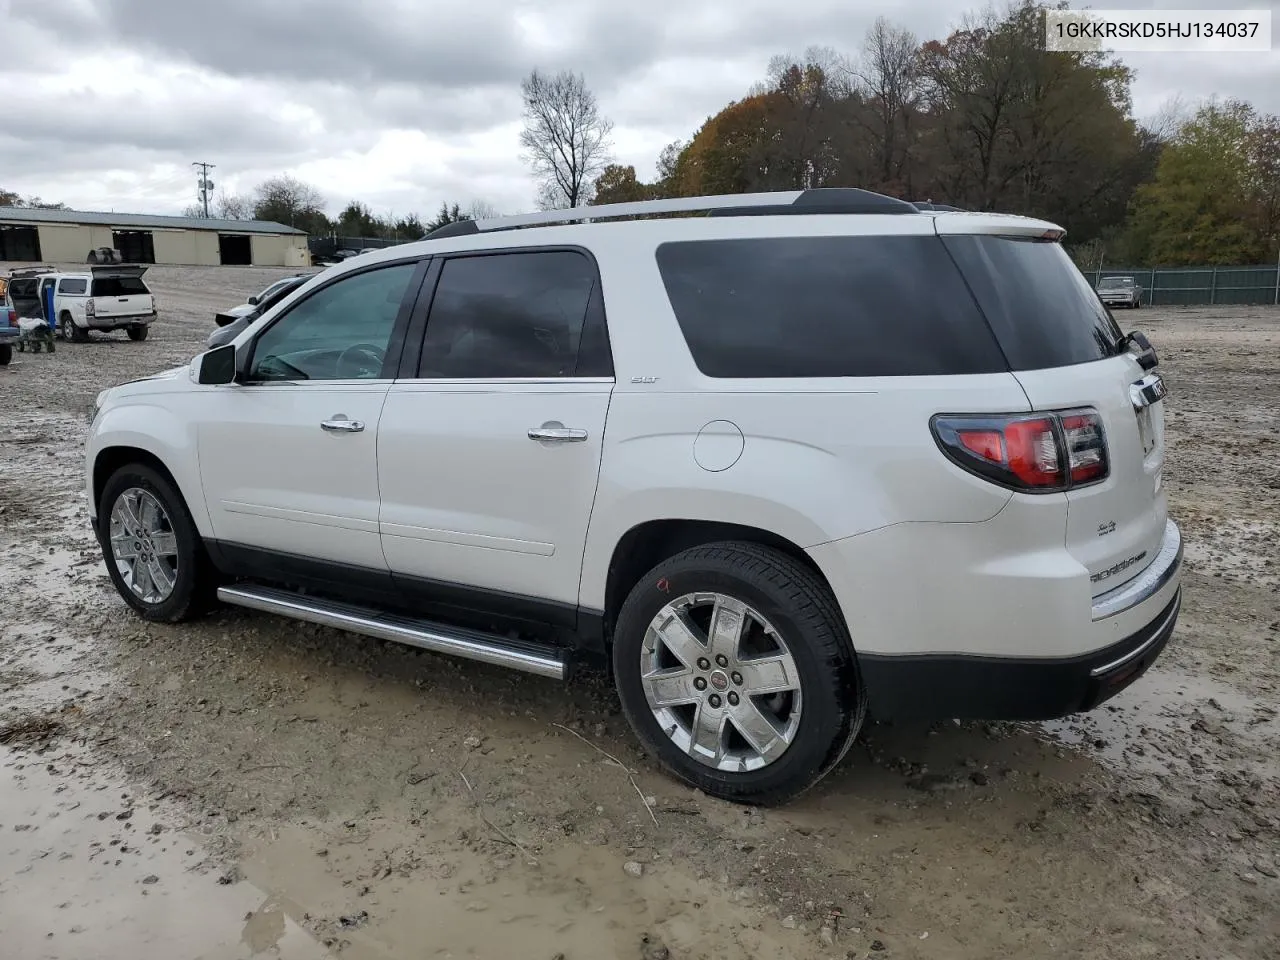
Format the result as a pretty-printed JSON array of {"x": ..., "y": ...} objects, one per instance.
[
  {"x": 721, "y": 682},
  {"x": 144, "y": 545}
]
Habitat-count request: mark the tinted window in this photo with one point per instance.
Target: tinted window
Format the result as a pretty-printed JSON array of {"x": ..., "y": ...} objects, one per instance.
[
  {"x": 509, "y": 315},
  {"x": 825, "y": 307},
  {"x": 1043, "y": 311},
  {"x": 341, "y": 332},
  {"x": 72, "y": 286},
  {"x": 118, "y": 286}
]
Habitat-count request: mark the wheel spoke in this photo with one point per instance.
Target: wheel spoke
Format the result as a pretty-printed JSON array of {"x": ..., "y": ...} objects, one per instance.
[
  {"x": 148, "y": 513},
  {"x": 706, "y": 739},
  {"x": 728, "y": 619},
  {"x": 129, "y": 514},
  {"x": 772, "y": 674},
  {"x": 123, "y": 548},
  {"x": 670, "y": 688},
  {"x": 166, "y": 544},
  {"x": 757, "y": 729},
  {"x": 680, "y": 637},
  {"x": 142, "y": 584},
  {"x": 161, "y": 576}
]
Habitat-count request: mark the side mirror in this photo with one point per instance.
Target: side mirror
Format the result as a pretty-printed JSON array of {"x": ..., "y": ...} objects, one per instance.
[
  {"x": 218, "y": 366},
  {"x": 253, "y": 300}
]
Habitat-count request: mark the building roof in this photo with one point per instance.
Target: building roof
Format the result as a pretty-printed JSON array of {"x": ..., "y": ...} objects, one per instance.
[{"x": 30, "y": 215}]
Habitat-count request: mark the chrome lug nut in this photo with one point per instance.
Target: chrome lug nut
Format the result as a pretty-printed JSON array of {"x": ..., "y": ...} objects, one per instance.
[
  {"x": 704, "y": 663},
  {"x": 722, "y": 660},
  {"x": 700, "y": 683},
  {"x": 714, "y": 700},
  {"x": 736, "y": 678},
  {"x": 733, "y": 699}
]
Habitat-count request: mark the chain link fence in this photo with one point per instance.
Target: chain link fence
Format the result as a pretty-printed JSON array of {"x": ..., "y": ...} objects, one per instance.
[{"x": 1210, "y": 286}]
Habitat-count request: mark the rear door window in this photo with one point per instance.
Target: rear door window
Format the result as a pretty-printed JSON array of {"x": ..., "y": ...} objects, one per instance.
[
  {"x": 1041, "y": 308},
  {"x": 73, "y": 285},
  {"x": 527, "y": 314},
  {"x": 826, "y": 307}
]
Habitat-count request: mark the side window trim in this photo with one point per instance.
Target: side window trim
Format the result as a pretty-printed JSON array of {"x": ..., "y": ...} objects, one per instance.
[
  {"x": 411, "y": 366},
  {"x": 395, "y": 345}
]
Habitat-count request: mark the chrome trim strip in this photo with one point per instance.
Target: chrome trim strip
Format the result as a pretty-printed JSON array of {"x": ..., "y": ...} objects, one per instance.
[
  {"x": 1150, "y": 389},
  {"x": 1148, "y": 583},
  {"x": 462, "y": 643},
  {"x": 1139, "y": 651}
]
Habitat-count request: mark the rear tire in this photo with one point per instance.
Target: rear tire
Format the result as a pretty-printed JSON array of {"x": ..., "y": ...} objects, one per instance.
[
  {"x": 186, "y": 582},
  {"x": 6, "y": 354},
  {"x": 793, "y": 626},
  {"x": 138, "y": 331},
  {"x": 76, "y": 333}
]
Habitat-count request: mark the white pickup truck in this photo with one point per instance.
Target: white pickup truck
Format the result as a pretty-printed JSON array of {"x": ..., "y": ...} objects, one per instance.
[{"x": 102, "y": 298}]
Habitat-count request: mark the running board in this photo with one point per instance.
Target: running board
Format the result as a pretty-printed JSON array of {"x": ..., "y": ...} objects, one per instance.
[{"x": 459, "y": 642}]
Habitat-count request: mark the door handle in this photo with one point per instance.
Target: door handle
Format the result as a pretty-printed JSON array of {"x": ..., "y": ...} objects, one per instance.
[
  {"x": 341, "y": 424},
  {"x": 556, "y": 432}
]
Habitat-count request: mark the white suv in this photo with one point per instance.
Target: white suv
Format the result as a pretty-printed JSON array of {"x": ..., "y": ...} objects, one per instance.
[{"x": 816, "y": 454}]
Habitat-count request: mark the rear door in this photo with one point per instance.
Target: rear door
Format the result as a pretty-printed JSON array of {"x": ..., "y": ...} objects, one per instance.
[
  {"x": 489, "y": 451},
  {"x": 120, "y": 292},
  {"x": 1063, "y": 346}
]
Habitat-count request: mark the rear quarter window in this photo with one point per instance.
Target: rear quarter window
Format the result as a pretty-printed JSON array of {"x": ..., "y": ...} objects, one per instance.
[
  {"x": 825, "y": 307},
  {"x": 1042, "y": 310},
  {"x": 73, "y": 285}
]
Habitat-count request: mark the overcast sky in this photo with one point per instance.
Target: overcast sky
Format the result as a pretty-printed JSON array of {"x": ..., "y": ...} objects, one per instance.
[{"x": 406, "y": 103}]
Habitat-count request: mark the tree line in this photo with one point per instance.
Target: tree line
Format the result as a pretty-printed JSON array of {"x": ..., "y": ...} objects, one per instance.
[{"x": 986, "y": 119}]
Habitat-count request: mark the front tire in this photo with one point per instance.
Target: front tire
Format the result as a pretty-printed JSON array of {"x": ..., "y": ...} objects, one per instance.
[
  {"x": 736, "y": 671},
  {"x": 138, "y": 331},
  {"x": 152, "y": 549}
]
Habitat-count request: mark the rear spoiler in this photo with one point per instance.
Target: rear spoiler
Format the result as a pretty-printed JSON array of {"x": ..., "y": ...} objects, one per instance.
[{"x": 118, "y": 271}]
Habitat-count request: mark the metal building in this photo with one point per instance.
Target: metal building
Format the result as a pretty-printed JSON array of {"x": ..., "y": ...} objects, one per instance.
[{"x": 67, "y": 236}]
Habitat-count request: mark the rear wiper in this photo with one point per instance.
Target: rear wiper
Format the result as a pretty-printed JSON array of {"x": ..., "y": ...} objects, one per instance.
[{"x": 1145, "y": 353}]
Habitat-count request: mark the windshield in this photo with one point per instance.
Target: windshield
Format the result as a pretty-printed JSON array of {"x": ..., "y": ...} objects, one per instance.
[{"x": 1117, "y": 282}]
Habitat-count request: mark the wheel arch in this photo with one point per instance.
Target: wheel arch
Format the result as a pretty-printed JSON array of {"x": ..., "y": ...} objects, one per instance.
[
  {"x": 648, "y": 543},
  {"x": 175, "y": 460}
]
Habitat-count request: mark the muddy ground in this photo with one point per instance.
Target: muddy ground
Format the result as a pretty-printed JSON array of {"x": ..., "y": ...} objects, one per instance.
[{"x": 247, "y": 786}]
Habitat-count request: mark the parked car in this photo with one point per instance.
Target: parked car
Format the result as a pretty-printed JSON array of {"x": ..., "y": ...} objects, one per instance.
[
  {"x": 255, "y": 303},
  {"x": 1120, "y": 292},
  {"x": 101, "y": 298},
  {"x": 9, "y": 329},
  {"x": 231, "y": 326},
  {"x": 689, "y": 449}
]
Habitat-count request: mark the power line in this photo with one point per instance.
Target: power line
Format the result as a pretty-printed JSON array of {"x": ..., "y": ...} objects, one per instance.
[{"x": 204, "y": 186}]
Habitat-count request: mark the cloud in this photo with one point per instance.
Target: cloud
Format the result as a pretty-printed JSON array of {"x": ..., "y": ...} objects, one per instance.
[{"x": 406, "y": 103}]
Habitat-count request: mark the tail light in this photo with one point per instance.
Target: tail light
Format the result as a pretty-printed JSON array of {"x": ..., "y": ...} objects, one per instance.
[
  {"x": 89, "y": 308},
  {"x": 1037, "y": 453},
  {"x": 11, "y": 317}
]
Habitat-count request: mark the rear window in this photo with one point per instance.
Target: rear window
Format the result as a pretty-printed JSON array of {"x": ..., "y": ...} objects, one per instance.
[
  {"x": 118, "y": 286},
  {"x": 1042, "y": 310},
  {"x": 74, "y": 286},
  {"x": 826, "y": 307}
]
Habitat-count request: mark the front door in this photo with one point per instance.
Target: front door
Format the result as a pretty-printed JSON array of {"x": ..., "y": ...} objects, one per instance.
[
  {"x": 489, "y": 458},
  {"x": 288, "y": 457}
]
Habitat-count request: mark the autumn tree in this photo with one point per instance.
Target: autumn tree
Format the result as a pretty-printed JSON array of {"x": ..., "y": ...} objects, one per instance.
[
  {"x": 565, "y": 137},
  {"x": 887, "y": 81},
  {"x": 1215, "y": 198},
  {"x": 618, "y": 184}
]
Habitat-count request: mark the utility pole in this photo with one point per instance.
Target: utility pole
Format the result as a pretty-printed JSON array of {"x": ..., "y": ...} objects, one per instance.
[{"x": 204, "y": 186}]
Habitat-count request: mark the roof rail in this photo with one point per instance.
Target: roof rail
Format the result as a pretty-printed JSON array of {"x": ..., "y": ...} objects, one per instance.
[
  {"x": 838, "y": 200},
  {"x": 928, "y": 206}
]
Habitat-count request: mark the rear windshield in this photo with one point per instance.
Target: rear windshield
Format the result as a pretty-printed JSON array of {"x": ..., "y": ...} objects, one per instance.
[
  {"x": 825, "y": 307},
  {"x": 118, "y": 286},
  {"x": 1042, "y": 310}
]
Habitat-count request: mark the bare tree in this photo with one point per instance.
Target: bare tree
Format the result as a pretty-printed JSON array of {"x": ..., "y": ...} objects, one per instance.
[
  {"x": 565, "y": 138},
  {"x": 234, "y": 206},
  {"x": 887, "y": 76},
  {"x": 482, "y": 210}
]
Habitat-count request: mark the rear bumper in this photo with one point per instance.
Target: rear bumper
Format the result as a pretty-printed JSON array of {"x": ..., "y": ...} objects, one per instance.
[
  {"x": 939, "y": 687},
  {"x": 9, "y": 333}
]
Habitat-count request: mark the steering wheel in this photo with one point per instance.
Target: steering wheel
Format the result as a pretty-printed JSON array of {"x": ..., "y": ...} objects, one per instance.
[{"x": 360, "y": 362}]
